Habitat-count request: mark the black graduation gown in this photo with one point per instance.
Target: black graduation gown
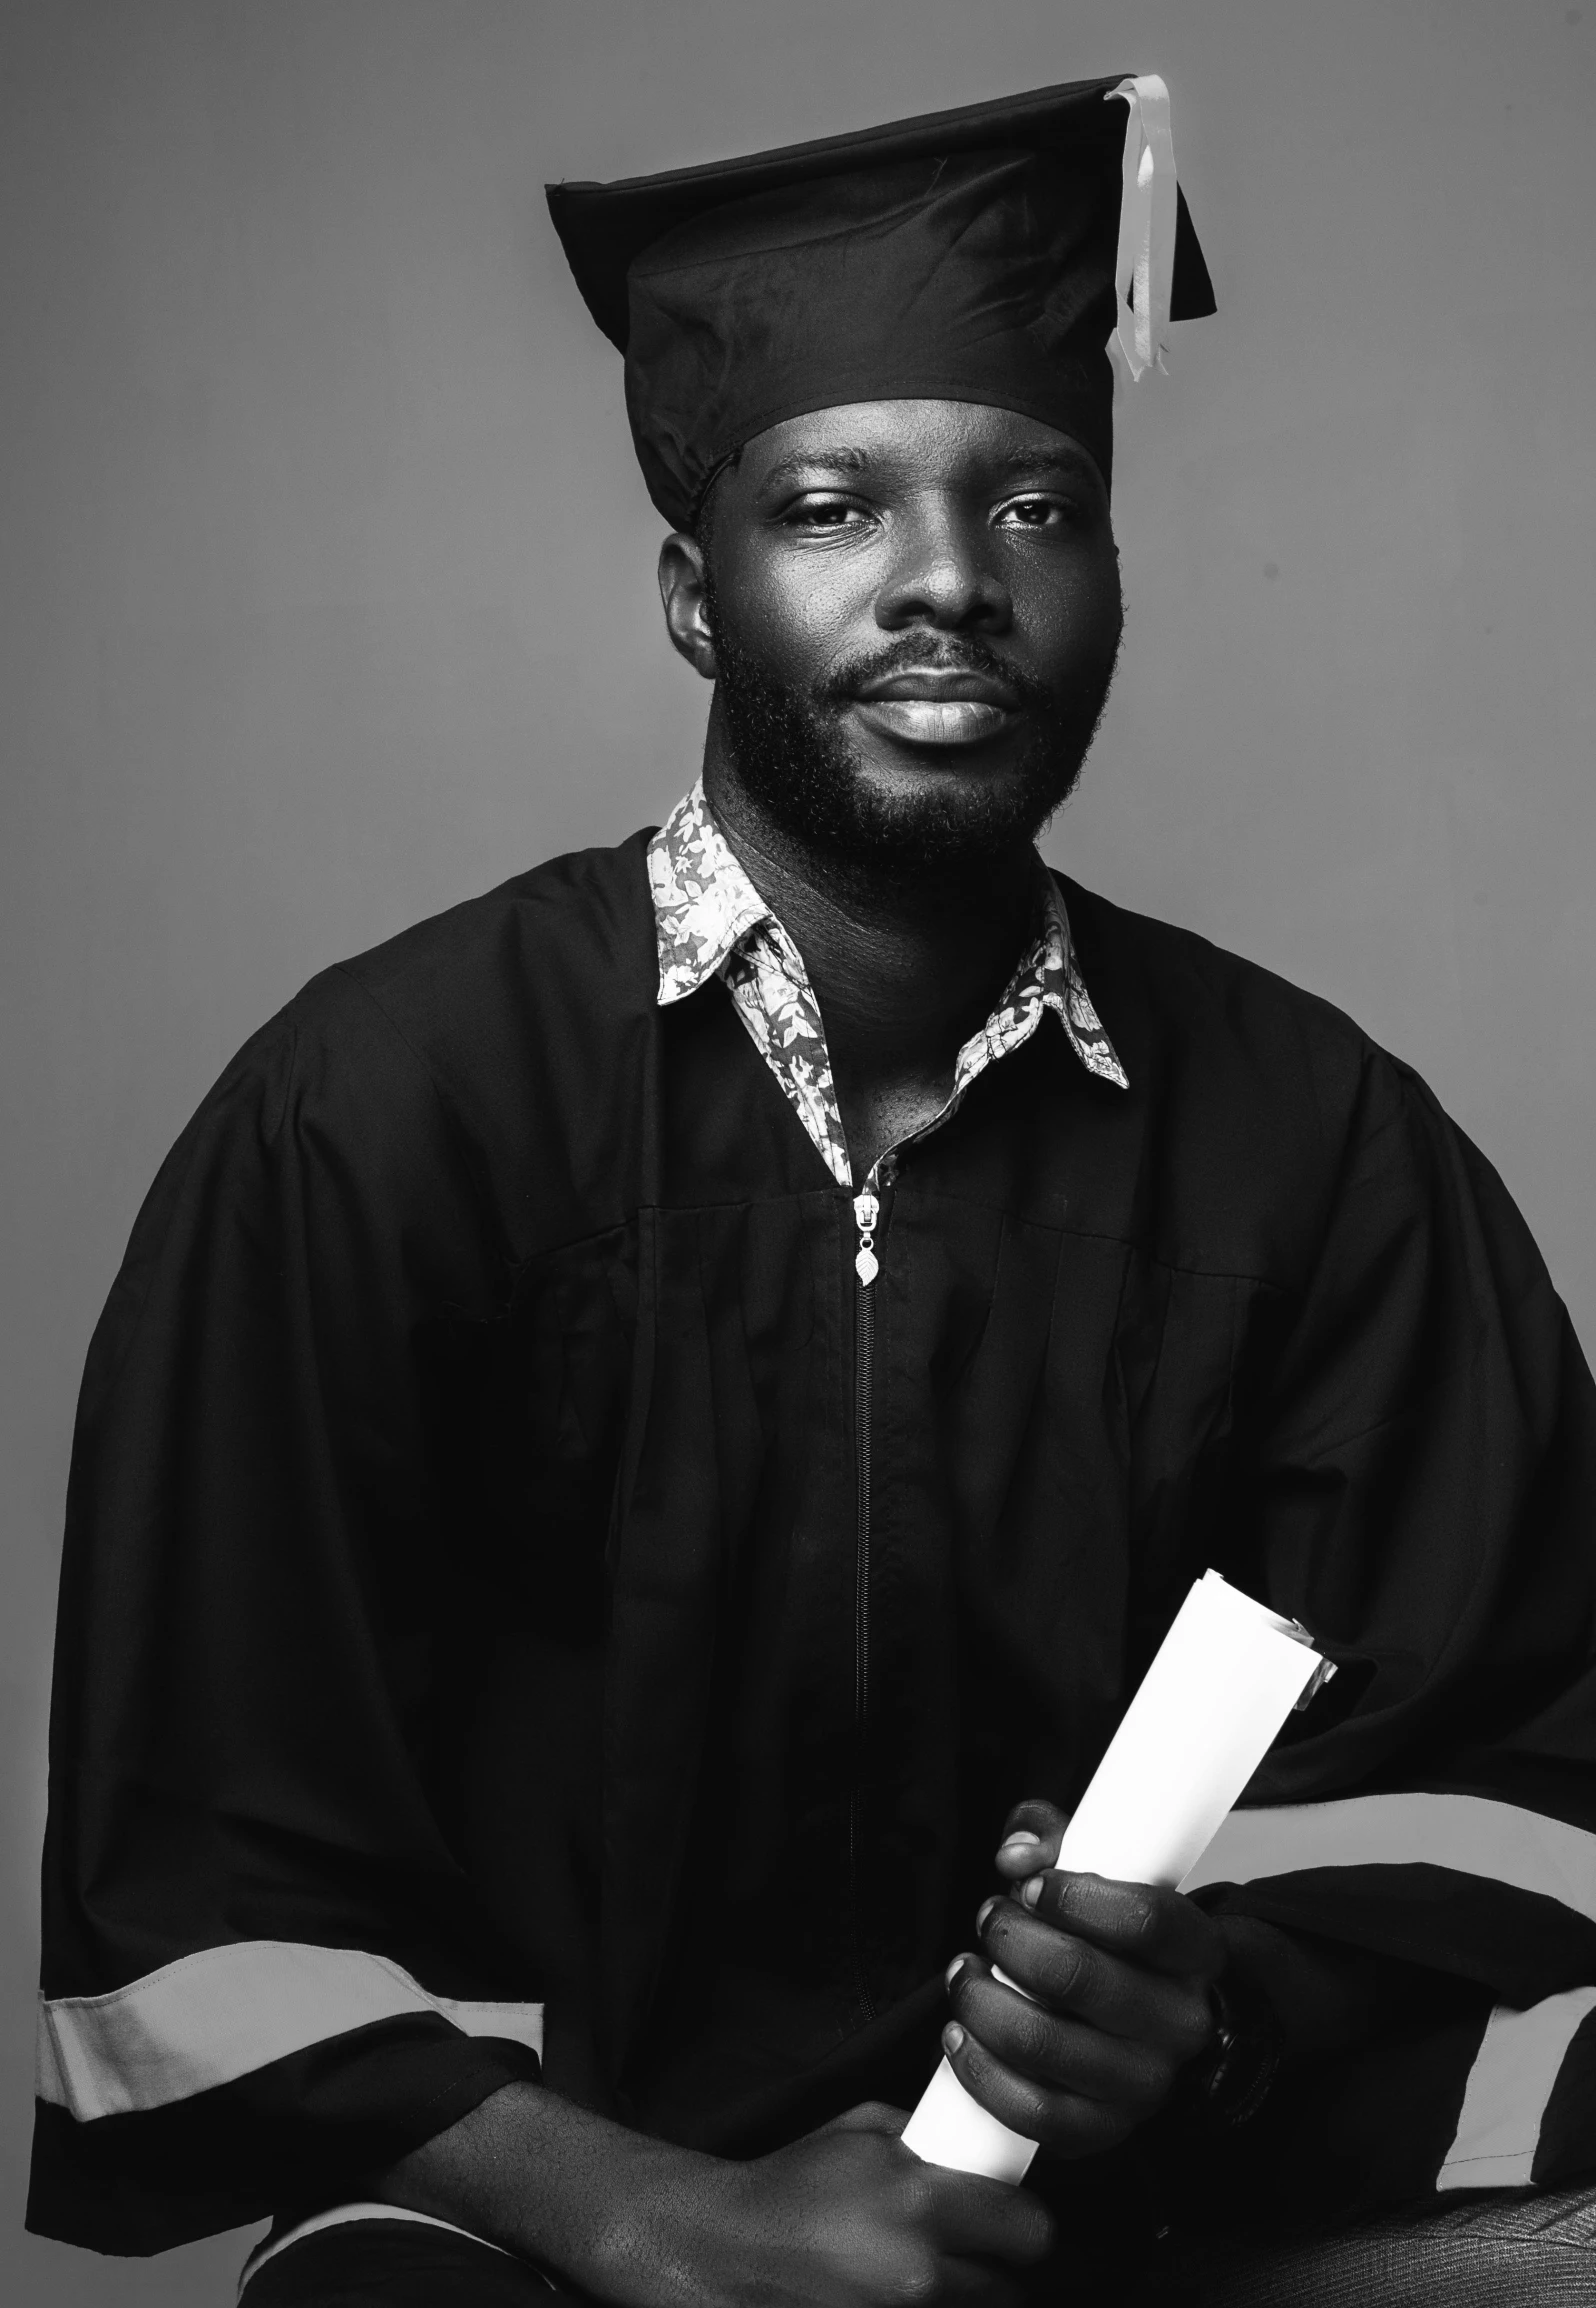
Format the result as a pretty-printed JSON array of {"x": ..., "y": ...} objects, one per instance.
[{"x": 469, "y": 1594}]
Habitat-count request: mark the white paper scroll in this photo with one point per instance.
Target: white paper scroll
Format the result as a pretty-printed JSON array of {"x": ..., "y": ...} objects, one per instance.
[{"x": 1226, "y": 1676}]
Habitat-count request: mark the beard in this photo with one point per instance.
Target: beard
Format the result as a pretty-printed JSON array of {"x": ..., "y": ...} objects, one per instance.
[{"x": 790, "y": 753}]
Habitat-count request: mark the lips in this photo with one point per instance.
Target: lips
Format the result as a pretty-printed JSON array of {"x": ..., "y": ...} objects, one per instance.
[
  {"x": 932, "y": 721},
  {"x": 931, "y": 705}
]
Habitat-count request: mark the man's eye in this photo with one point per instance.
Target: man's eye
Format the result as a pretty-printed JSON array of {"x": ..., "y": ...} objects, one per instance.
[
  {"x": 1036, "y": 513},
  {"x": 822, "y": 513}
]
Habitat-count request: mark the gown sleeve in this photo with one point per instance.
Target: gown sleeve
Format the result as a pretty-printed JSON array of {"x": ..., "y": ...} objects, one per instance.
[
  {"x": 1422, "y": 1494},
  {"x": 264, "y": 1969}
]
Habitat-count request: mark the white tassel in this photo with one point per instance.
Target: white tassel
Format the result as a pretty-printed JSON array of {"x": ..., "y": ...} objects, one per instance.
[{"x": 1145, "y": 263}]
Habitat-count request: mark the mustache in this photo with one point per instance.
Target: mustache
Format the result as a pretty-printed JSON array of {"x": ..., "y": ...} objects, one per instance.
[{"x": 921, "y": 652}]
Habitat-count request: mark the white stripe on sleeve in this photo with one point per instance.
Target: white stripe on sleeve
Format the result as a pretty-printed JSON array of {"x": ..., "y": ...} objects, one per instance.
[
  {"x": 1508, "y": 2090},
  {"x": 1466, "y": 1833},
  {"x": 220, "y": 2014}
]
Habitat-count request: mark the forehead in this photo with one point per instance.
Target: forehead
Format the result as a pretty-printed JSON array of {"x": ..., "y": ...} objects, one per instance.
[{"x": 907, "y": 440}]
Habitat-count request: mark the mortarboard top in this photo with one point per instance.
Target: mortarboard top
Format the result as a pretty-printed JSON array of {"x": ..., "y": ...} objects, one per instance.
[{"x": 987, "y": 253}]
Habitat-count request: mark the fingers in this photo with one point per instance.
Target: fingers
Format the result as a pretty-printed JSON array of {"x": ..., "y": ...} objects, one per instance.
[
  {"x": 961, "y": 2211},
  {"x": 1066, "y": 2121},
  {"x": 979, "y": 2218},
  {"x": 1031, "y": 1837},
  {"x": 1139, "y": 1921},
  {"x": 1073, "y": 1978},
  {"x": 1066, "y": 2053}
]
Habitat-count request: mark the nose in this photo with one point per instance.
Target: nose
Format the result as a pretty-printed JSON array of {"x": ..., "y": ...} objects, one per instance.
[{"x": 942, "y": 575}]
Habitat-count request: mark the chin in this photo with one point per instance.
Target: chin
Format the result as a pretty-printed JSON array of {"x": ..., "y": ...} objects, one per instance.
[
  {"x": 891, "y": 811},
  {"x": 904, "y": 768},
  {"x": 929, "y": 812}
]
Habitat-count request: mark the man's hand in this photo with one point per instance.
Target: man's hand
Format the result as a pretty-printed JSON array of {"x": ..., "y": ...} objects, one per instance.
[
  {"x": 1120, "y": 1973},
  {"x": 845, "y": 2218}
]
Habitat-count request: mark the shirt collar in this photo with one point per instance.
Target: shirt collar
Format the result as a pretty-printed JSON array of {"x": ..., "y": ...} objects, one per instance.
[
  {"x": 704, "y": 903},
  {"x": 1057, "y": 975},
  {"x": 705, "y": 906}
]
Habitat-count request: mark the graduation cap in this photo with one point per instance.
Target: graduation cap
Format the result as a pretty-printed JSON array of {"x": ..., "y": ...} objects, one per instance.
[{"x": 989, "y": 254}]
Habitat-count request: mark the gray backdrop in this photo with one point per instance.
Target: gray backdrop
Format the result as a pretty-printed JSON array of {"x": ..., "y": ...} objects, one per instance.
[{"x": 328, "y": 598}]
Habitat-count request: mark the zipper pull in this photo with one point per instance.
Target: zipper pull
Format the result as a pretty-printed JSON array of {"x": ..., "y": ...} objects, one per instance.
[{"x": 866, "y": 1211}]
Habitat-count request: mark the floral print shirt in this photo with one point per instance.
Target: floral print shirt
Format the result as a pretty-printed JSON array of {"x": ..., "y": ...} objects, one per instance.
[{"x": 711, "y": 921}]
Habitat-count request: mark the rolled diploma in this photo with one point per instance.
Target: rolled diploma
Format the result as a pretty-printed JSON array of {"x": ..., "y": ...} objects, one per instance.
[{"x": 1225, "y": 1678}]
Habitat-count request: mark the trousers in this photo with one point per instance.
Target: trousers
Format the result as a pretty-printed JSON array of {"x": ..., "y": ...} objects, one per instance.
[{"x": 1498, "y": 2251}]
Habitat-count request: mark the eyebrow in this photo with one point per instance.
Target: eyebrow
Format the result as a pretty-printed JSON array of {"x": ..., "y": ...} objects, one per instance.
[
  {"x": 847, "y": 459},
  {"x": 840, "y": 460},
  {"x": 1043, "y": 460}
]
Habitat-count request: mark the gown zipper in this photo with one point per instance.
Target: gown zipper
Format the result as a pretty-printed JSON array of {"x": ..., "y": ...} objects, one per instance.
[{"x": 866, "y": 1266}]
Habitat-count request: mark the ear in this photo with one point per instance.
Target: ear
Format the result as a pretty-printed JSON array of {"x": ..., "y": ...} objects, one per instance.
[{"x": 682, "y": 595}]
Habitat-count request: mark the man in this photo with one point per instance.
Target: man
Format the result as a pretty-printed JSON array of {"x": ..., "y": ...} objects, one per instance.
[{"x": 642, "y": 1418}]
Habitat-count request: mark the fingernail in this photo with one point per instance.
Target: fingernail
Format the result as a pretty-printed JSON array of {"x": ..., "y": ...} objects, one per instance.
[
  {"x": 953, "y": 2039},
  {"x": 1021, "y": 1840},
  {"x": 985, "y": 1910},
  {"x": 953, "y": 1971},
  {"x": 1031, "y": 1892}
]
